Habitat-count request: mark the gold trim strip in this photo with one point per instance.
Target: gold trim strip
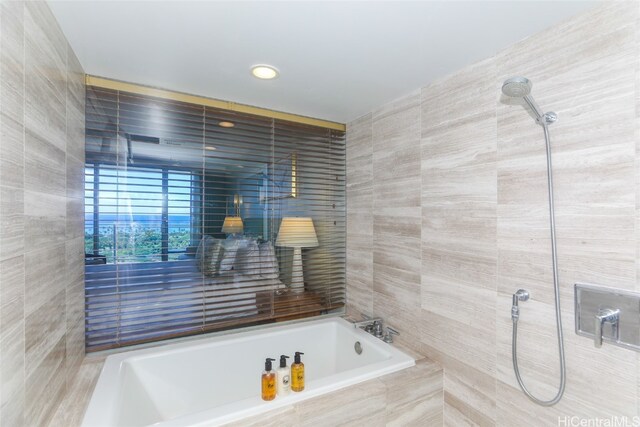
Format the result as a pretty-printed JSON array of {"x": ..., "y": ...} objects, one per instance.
[{"x": 209, "y": 102}]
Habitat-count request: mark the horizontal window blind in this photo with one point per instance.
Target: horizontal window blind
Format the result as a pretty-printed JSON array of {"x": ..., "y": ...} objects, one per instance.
[{"x": 184, "y": 207}]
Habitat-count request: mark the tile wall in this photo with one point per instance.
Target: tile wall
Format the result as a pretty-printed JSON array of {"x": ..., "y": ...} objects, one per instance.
[
  {"x": 41, "y": 214},
  {"x": 447, "y": 217}
]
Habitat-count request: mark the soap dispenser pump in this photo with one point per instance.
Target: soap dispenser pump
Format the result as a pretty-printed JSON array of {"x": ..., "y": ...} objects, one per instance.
[
  {"x": 297, "y": 373},
  {"x": 283, "y": 374},
  {"x": 268, "y": 381}
]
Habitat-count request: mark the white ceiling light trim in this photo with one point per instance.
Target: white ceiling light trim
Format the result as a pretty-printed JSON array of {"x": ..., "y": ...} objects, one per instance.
[{"x": 264, "y": 71}]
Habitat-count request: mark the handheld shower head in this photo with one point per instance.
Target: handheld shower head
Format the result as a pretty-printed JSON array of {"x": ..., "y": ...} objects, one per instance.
[
  {"x": 517, "y": 87},
  {"x": 520, "y": 87}
]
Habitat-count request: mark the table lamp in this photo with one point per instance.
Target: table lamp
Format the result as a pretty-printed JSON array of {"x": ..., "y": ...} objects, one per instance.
[
  {"x": 297, "y": 233},
  {"x": 232, "y": 225}
]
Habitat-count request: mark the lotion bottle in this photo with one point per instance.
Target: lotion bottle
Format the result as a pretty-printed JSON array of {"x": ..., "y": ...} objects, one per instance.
[
  {"x": 297, "y": 373},
  {"x": 283, "y": 374},
  {"x": 268, "y": 381}
]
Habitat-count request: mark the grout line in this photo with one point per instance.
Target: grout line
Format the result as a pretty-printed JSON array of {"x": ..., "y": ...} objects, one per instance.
[{"x": 24, "y": 264}]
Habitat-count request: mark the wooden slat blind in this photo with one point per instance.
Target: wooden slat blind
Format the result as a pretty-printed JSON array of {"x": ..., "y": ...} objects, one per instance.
[{"x": 161, "y": 175}]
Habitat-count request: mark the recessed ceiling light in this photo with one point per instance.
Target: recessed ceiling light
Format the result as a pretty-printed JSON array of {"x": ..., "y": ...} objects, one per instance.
[
  {"x": 225, "y": 124},
  {"x": 210, "y": 148},
  {"x": 265, "y": 72},
  {"x": 240, "y": 166}
]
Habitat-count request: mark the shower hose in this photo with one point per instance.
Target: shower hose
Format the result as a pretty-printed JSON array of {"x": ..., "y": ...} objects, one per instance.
[{"x": 556, "y": 288}]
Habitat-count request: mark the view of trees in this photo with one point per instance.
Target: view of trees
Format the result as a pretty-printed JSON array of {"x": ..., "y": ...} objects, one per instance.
[
  {"x": 137, "y": 242},
  {"x": 131, "y": 203}
]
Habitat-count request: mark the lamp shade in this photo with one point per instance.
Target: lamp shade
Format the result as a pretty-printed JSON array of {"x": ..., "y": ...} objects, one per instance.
[
  {"x": 297, "y": 232},
  {"x": 232, "y": 224}
]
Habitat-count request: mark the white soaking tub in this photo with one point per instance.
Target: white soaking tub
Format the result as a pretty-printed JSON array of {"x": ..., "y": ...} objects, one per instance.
[{"x": 214, "y": 380}]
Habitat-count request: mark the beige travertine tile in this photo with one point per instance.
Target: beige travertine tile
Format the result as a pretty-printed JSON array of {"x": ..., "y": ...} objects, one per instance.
[
  {"x": 469, "y": 390},
  {"x": 396, "y": 157},
  {"x": 45, "y": 386},
  {"x": 74, "y": 218},
  {"x": 75, "y": 106},
  {"x": 458, "y": 412},
  {"x": 458, "y": 97},
  {"x": 44, "y": 219},
  {"x": 349, "y": 406},
  {"x": 12, "y": 388},
  {"x": 75, "y": 178},
  {"x": 41, "y": 168},
  {"x": 457, "y": 263},
  {"x": 395, "y": 124},
  {"x": 285, "y": 417},
  {"x": 392, "y": 251},
  {"x": 12, "y": 348},
  {"x": 11, "y": 222},
  {"x": 484, "y": 220},
  {"x": 12, "y": 146},
  {"x": 12, "y": 60},
  {"x": 71, "y": 411},
  {"x": 44, "y": 108},
  {"x": 75, "y": 130},
  {"x": 44, "y": 276},
  {"x": 12, "y": 345},
  {"x": 11, "y": 295},
  {"x": 359, "y": 232},
  {"x": 74, "y": 304},
  {"x": 44, "y": 328},
  {"x": 442, "y": 298},
  {"x": 414, "y": 396},
  {"x": 45, "y": 48},
  {"x": 44, "y": 166}
]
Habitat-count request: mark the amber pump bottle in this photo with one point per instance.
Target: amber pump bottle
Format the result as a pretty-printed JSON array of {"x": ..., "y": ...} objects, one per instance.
[
  {"x": 297, "y": 373},
  {"x": 268, "y": 381}
]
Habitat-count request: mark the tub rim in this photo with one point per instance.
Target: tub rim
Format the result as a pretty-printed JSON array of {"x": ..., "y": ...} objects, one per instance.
[{"x": 111, "y": 373}]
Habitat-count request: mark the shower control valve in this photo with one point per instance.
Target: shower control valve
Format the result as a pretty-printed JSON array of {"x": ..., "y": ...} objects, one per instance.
[{"x": 606, "y": 315}]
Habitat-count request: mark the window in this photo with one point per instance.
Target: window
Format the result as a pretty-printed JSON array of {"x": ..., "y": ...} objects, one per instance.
[
  {"x": 137, "y": 214},
  {"x": 183, "y": 215}
]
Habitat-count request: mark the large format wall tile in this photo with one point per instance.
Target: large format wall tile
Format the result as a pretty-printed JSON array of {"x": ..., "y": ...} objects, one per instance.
[
  {"x": 41, "y": 214},
  {"x": 360, "y": 218},
  {"x": 459, "y": 252},
  {"x": 396, "y": 219},
  {"x": 484, "y": 220}
]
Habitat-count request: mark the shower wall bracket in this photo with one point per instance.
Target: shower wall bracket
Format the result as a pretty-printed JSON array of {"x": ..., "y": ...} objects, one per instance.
[{"x": 608, "y": 315}]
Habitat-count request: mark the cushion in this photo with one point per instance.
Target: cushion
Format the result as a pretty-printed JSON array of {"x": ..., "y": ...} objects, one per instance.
[
  {"x": 208, "y": 255},
  {"x": 268, "y": 261},
  {"x": 231, "y": 246},
  {"x": 248, "y": 259}
]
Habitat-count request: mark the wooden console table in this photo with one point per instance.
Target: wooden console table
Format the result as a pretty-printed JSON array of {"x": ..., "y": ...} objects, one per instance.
[{"x": 296, "y": 305}]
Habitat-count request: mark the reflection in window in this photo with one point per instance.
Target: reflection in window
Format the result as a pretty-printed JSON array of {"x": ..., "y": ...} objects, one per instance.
[{"x": 138, "y": 214}]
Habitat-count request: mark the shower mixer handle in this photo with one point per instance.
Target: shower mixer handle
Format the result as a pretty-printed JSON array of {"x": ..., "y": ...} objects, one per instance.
[{"x": 605, "y": 315}]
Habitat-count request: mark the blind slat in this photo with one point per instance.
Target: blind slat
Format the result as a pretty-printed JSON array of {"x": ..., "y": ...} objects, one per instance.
[{"x": 161, "y": 178}]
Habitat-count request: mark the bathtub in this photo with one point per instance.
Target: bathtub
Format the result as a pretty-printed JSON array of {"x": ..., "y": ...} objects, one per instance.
[{"x": 214, "y": 380}]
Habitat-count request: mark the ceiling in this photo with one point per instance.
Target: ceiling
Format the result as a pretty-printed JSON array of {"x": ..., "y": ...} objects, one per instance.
[{"x": 338, "y": 60}]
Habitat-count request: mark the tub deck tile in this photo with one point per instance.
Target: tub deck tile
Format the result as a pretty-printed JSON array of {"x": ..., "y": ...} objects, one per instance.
[{"x": 71, "y": 410}]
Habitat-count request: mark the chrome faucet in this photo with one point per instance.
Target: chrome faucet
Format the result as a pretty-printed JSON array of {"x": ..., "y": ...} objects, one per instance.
[
  {"x": 375, "y": 328},
  {"x": 368, "y": 324},
  {"x": 388, "y": 337}
]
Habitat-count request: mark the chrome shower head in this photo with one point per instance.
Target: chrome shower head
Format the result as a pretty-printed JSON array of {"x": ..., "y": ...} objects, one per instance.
[
  {"x": 516, "y": 87},
  {"x": 520, "y": 87}
]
